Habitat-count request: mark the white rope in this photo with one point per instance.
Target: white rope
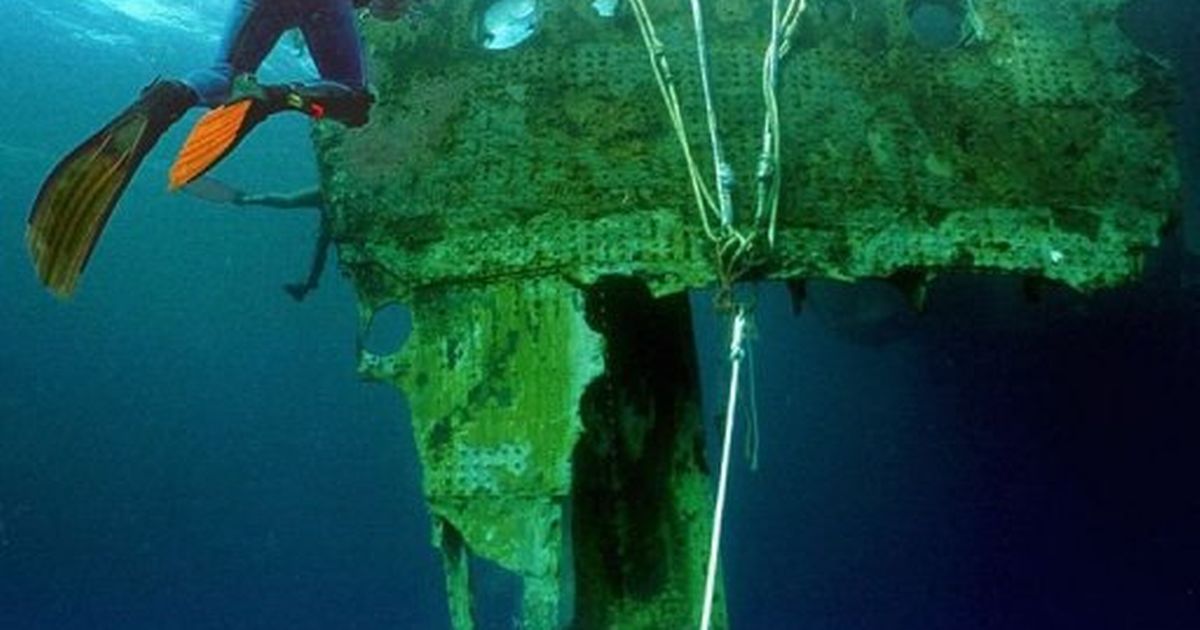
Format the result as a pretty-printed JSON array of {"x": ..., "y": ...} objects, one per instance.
[
  {"x": 723, "y": 173},
  {"x": 768, "y": 160},
  {"x": 666, "y": 85},
  {"x": 753, "y": 434},
  {"x": 783, "y": 27},
  {"x": 736, "y": 353}
]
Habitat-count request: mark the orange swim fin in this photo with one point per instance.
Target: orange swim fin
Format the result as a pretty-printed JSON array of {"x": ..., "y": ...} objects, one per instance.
[
  {"x": 78, "y": 197},
  {"x": 213, "y": 138},
  {"x": 220, "y": 130}
]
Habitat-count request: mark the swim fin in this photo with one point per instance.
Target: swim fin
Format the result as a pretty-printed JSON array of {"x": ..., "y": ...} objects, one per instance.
[
  {"x": 213, "y": 138},
  {"x": 78, "y": 197},
  {"x": 223, "y": 128}
]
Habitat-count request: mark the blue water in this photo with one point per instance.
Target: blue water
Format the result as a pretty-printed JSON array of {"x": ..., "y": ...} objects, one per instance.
[{"x": 183, "y": 446}]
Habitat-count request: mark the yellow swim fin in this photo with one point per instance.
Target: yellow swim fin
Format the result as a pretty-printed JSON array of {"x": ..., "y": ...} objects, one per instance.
[{"x": 78, "y": 197}]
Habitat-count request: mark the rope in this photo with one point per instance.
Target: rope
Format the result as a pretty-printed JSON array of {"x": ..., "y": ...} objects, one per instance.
[
  {"x": 731, "y": 245},
  {"x": 768, "y": 161},
  {"x": 791, "y": 20},
  {"x": 666, "y": 86},
  {"x": 783, "y": 28},
  {"x": 753, "y": 433},
  {"x": 736, "y": 353},
  {"x": 723, "y": 173}
]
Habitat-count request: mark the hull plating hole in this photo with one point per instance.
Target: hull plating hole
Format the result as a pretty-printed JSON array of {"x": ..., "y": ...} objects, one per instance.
[{"x": 942, "y": 24}]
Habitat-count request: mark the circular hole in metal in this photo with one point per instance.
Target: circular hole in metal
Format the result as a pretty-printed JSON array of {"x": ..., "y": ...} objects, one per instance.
[
  {"x": 387, "y": 330},
  {"x": 940, "y": 24},
  {"x": 506, "y": 24}
]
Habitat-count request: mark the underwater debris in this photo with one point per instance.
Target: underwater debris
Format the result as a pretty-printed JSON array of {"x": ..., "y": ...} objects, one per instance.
[
  {"x": 535, "y": 210},
  {"x": 562, "y": 157}
]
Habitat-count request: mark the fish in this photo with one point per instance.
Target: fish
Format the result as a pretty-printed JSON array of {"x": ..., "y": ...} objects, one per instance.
[{"x": 508, "y": 23}]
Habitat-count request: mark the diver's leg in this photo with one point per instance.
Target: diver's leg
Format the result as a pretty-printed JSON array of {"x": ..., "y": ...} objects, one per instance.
[
  {"x": 331, "y": 33},
  {"x": 253, "y": 29},
  {"x": 330, "y": 28}
]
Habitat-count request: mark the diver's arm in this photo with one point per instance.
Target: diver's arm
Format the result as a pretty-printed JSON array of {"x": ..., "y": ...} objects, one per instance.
[
  {"x": 304, "y": 198},
  {"x": 300, "y": 290}
]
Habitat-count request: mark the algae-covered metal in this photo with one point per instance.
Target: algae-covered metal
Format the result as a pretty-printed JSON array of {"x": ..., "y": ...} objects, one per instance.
[
  {"x": 1038, "y": 146},
  {"x": 558, "y": 429},
  {"x": 495, "y": 188}
]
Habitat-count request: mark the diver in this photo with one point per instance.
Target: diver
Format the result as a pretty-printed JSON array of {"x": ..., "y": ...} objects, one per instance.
[
  {"x": 79, "y": 195},
  {"x": 215, "y": 191}
]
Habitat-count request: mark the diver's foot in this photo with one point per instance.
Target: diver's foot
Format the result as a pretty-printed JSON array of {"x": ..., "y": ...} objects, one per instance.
[{"x": 297, "y": 291}]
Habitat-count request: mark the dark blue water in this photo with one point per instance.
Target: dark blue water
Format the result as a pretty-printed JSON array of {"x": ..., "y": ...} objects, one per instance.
[{"x": 183, "y": 446}]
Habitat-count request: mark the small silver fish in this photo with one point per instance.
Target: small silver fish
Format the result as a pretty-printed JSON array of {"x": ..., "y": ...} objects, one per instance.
[{"x": 507, "y": 23}]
